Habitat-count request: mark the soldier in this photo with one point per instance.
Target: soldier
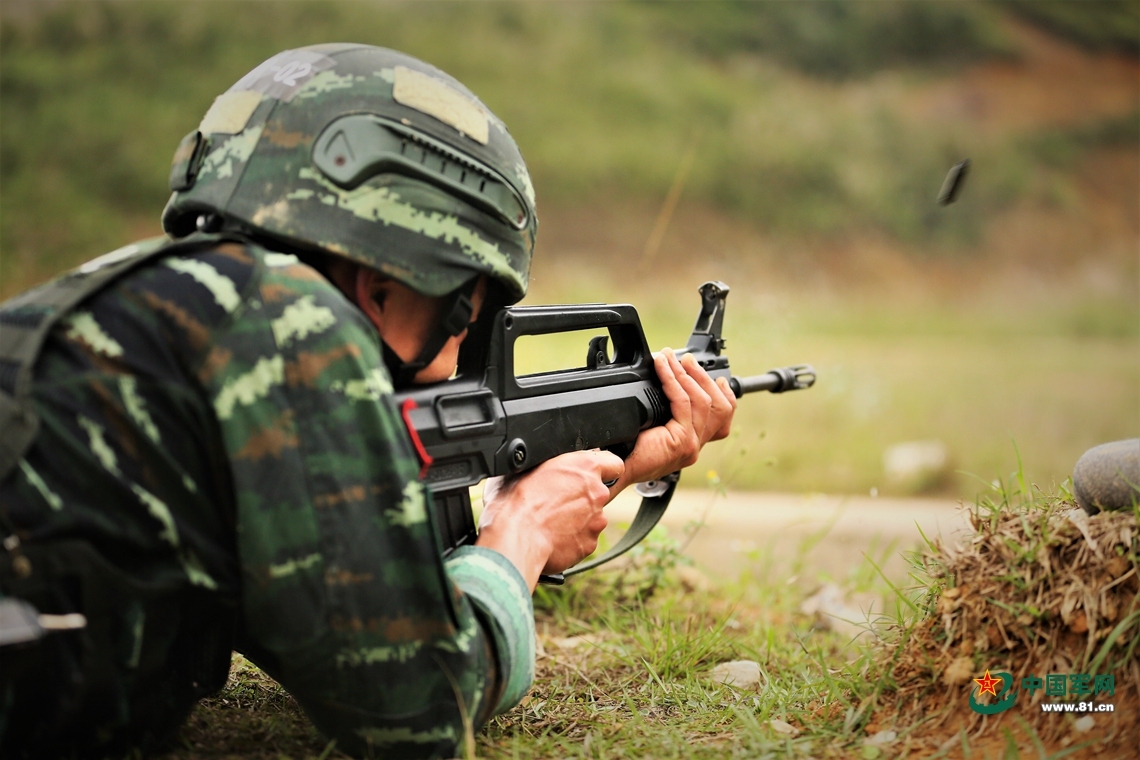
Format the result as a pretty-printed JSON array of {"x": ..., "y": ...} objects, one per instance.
[{"x": 201, "y": 452}]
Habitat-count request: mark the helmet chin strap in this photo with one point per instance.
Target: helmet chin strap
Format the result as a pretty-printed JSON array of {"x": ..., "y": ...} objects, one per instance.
[{"x": 456, "y": 318}]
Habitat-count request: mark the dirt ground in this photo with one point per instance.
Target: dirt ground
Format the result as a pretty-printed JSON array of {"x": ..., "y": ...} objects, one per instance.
[{"x": 745, "y": 530}]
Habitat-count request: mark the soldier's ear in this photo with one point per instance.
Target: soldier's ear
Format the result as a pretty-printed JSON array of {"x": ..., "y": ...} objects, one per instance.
[
  {"x": 372, "y": 289},
  {"x": 479, "y": 297}
]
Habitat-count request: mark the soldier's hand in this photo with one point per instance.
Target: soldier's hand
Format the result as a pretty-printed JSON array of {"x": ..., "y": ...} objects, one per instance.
[
  {"x": 702, "y": 412},
  {"x": 549, "y": 519}
]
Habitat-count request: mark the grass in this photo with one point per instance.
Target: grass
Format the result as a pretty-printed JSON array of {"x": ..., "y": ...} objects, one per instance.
[
  {"x": 251, "y": 717},
  {"x": 623, "y": 671},
  {"x": 625, "y": 657},
  {"x": 1040, "y": 589}
]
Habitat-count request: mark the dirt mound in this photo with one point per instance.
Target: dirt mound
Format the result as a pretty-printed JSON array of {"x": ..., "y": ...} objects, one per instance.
[{"x": 1043, "y": 607}]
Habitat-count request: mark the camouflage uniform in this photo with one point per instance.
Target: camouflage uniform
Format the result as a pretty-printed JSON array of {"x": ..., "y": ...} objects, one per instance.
[
  {"x": 218, "y": 428},
  {"x": 219, "y": 463}
]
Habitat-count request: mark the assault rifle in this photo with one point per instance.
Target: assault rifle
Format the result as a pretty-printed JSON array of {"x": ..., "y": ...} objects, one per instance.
[{"x": 488, "y": 421}]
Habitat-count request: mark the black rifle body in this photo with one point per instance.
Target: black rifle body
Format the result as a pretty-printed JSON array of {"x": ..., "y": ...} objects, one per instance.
[{"x": 491, "y": 422}]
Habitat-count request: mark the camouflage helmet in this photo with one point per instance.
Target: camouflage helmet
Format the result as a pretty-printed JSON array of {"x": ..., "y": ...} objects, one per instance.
[{"x": 368, "y": 154}]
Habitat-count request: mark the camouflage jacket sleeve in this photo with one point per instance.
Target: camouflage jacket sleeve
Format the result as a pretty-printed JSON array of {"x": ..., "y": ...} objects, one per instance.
[{"x": 346, "y": 599}]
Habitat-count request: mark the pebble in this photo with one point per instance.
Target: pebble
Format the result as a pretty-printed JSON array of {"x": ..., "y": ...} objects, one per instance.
[
  {"x": 742, "y": 674},
  {"x": 1103, "y": 474},
  {"x": 780, "y": 726},
  {"x": 882, "y": 738},
  {"x": 834, "y": 611},
  {"x": 914, "y": 465}
]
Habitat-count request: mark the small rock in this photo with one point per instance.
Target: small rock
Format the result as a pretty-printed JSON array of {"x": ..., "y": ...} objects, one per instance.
[
  {"x": 958, "y": 672},
  {"x": 916, "y": 465},
  {"x": 1103, "y": 476},
  {"x": 881, "y": 739},
  {"x": 780, "y": 726},
  {"x": 1084, "y": 724},
  {"x": 834, "y": 612},
  {"x": 742, "y": 674}
]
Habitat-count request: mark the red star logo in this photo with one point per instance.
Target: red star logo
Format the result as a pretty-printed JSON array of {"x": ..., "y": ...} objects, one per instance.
[{"x": 987, "y": 684}]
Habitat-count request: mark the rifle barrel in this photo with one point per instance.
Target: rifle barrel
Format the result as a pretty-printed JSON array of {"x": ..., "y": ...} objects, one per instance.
[{"x": 776, "y": 380}]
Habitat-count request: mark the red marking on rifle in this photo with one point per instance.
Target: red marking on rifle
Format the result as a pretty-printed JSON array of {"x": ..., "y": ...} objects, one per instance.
[{"x": 406, "y": 412}]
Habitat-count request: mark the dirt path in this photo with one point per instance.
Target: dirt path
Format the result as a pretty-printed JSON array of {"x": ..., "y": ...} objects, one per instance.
[{"x": 749, "y": 530}]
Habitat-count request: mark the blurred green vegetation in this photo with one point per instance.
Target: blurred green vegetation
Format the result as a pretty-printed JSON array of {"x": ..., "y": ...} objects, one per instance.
[
  {"x": 791, "y": 107},
  {"x": 837, "y": 38},
  {"x": 1093, "y": 24},
  {"x": 812, "y": 124}
]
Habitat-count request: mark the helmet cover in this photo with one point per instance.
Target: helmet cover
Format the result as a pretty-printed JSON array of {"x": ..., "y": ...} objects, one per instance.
[{"x": 368, "y": 154}]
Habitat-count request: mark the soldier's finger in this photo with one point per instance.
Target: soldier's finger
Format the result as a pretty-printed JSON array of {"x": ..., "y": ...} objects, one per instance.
[
  {"x": 699, "y": 401},
  {"x": 719, "y": 407},
  {"x": 678, "y": 400},
  {"x": 724, "y": 407},
  {"x": 730, "y": 398},
  {"x": 609, "y": 465}
]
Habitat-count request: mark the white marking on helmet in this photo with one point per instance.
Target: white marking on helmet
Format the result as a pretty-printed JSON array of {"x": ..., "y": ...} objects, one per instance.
[
  {"x": 437, "y": 98},
  {"x": 283, "y": 75},
  {"x": 230, "y": 112},
  {"x": 292, "y": 71}
]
